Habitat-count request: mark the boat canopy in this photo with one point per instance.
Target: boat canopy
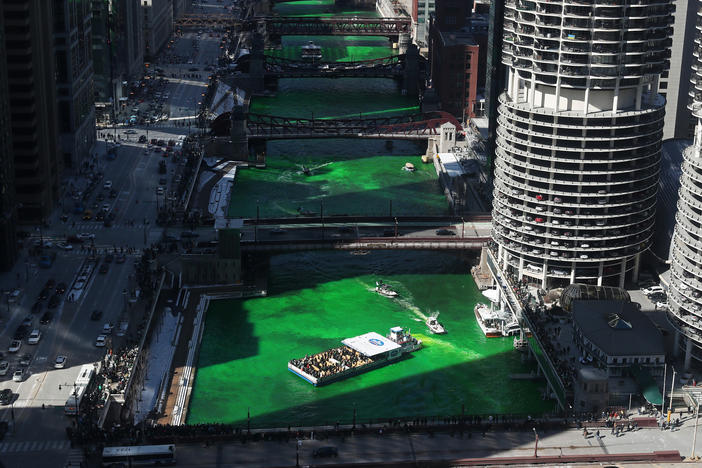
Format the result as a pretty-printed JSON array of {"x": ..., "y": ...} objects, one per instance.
[
  {"x": 371, "y": 344},
  {"x": 491, "y": 294},
  {"x": 488, "y": 314}
]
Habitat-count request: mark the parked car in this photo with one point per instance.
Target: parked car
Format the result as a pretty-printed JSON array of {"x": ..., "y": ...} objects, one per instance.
[
  {"x": 4, "y": 367},
  {"x": 107, "y": 184},
  {"x": 653, "y": 290}
]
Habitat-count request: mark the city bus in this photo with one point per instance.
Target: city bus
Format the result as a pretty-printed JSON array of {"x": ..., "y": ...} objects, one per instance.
[
  {"x": 85, "y": 376},
  {"x": 140, "y": 455},
  {"x": 72, "y": 406}
]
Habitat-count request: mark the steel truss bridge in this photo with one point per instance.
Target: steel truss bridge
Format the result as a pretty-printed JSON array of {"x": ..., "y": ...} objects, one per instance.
[
  {"x": 406, "y": 127},
  {"x": 306, "y": 26},
  {"x": 336, "y": 26},
  {"x": 385, "y": 67}
]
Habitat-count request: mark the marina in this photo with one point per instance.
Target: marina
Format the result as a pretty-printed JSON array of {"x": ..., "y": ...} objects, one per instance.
[{"x": 359, "y": 354}]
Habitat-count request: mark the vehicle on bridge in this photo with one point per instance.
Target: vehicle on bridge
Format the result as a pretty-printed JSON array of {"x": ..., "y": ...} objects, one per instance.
[{"x": 154, "y": 455}]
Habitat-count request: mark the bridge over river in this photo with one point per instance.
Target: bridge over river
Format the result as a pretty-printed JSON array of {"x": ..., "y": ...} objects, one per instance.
[{"x": 384, "y": 67}]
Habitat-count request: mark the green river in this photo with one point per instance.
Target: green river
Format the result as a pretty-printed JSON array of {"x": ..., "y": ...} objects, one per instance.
[{"x": 316, "y": 299}]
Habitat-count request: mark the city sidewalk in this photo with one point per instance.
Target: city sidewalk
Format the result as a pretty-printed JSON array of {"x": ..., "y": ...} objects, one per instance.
[{"x": 500, "y": 447}]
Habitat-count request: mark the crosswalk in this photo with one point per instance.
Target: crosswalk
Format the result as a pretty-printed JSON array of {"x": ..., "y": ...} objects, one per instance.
[
  {"x": 34, "y": 446},
  {"x": 99, "y": 226}
]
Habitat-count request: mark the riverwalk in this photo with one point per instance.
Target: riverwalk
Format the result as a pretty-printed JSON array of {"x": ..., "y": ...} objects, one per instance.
[{"x": 377, "y": 446}]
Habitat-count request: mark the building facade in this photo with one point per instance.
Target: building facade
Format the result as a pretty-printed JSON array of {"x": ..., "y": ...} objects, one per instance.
[
  {"x": 685, "y": 295},
  {"x": 578, "y": 139},
  {"x": 181, "y": 7},
  {"x": 74, "y": 80},
  {"x": 118, "y": 48},
  {"x": 158, "y": 25},
  {"x": 29, "y": 61},
  {"x": 8, "y": 212},
  {"x": 675, "y": 83}
]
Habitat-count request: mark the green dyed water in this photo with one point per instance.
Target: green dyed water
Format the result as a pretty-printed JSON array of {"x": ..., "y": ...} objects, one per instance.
[{"x": 316, "y": 300}]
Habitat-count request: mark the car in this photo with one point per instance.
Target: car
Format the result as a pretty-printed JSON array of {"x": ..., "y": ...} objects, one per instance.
[
  {"x": 25, "y": 360},
  {"x": 100, "y": 216},
  {"x": 100, "y": 341},
  {"x": 131, "y": 131},
  {"x": 445, "y": 232},
  {"x": 96, "y": 314},
  {"x": 60, "y": 361},
  {"x": 104, "y": 268},
  {"x": 107, "y": 184},
  {"x": 15, "y": 346},
  {"x": 4, "y": 367},
  {"x": 34, "y": 337},
  {"x": 54, "y": 301},
  {"x": 539, "y": 220},
  {"x": 653, "y": 289},
  {"x": 44, "y": 294},
  {"x": 113, "y": 193},
  {"x": 28, "y": 321},
  {"x": 661, "y": 305},
  {"x": 87, "y": 215},
  {"x": 46, "y": 317},
  {"x": 64, "y": 246},
  {"x": 142, "y": 139},
  {"x": 6, "y": 397},
  {"x": 21, "y": 332},
  {"x": 18, "y": 375},
  {"x": 326, "y": 451},
  {"x": 107, "y": 329},
  {"x": 50, "y": 283},
  {"x": 86, "y": 236}
]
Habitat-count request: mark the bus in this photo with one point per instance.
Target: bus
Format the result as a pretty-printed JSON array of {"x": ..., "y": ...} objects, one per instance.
[
  {"x": 85, "y": 375},
  {"x": 139, "y": 455},
  {"x": 72, "y": 406}
]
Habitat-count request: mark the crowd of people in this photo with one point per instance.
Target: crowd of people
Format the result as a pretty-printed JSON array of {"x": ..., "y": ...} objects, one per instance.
[
  {"x": 117, "y": 368},
  {"x": 331, "y": 362}
]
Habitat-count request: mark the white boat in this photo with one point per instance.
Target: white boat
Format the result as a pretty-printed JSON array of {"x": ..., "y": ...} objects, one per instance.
[
  {"x": 434, "y": 325},
  {"x": 492, "y": 322},
  {"x": 384, "y": 290},
  {"x": 311, "y": 51},
  {"x": 510, "y": 328},
  {"x": 409, "y": 167}
]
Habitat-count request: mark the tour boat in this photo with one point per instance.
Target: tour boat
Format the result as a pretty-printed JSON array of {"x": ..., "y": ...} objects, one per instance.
[
  {"x": 311, "y": 51},
  {"x": 384, "y": 290},
  {"x": 492, "y": 322},
  {"x": 368, "y": 351},
  {"x": 434, "y": 325}
]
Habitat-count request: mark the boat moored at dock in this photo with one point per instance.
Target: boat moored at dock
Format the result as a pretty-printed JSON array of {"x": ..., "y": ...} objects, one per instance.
[
  {"x": 357, "y": 355},
  {"x": 495, "y": 323}
]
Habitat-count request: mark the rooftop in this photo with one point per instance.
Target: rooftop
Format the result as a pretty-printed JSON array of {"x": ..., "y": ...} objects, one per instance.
[
  {"x": 599, "y": 322},
  {"x": 370, "y": 344},
  {"x": 456, "y": 38}
]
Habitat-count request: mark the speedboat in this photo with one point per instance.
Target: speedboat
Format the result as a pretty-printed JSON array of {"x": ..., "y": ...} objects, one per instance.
[
  {"x": 409, "y": 167},
  {"x": 434, "y": 325},
  {"x": 384, "y": 290}
]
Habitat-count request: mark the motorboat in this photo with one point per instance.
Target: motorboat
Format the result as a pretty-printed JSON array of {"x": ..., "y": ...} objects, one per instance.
[
  {"x": 434, "y": 325},
  {"x": 409, "y": 167},
  {"x": 384, "y": 290},
  {"x": 492, "y": 322}
]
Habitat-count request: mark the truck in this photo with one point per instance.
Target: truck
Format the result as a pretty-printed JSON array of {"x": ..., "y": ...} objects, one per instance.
[{"x": 162, "y": 167}]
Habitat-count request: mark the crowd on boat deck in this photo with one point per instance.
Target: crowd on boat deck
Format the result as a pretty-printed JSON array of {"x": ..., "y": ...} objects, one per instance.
[{"x": 331, "y": 362}]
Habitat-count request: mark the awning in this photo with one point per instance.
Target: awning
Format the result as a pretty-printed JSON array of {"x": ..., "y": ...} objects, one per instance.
[{"x": 649, "y": 388}]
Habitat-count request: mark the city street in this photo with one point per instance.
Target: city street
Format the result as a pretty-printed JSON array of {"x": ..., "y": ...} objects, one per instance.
[{"x": 36, "y": 419}]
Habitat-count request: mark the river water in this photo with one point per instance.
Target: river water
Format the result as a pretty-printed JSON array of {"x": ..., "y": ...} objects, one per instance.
[{"x": 316, "y": 299}]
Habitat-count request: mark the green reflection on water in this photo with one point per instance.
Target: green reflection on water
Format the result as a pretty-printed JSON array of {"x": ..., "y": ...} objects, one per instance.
[{"x": 246, "y": 345}]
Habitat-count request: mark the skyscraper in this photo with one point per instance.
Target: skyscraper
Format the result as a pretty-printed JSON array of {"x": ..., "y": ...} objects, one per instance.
[
  {"x": 158, "y": 25},
  {"x": 29, "y": 60},
  {"x": 685, "y": 295},
  {"x": 8, "y": 213},
  {"x": 578, "y": 138},
  {"x": 74, "y": 80}
]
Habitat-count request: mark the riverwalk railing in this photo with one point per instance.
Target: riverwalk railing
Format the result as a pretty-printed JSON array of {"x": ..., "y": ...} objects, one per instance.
[{"x": 537, "y": 348}]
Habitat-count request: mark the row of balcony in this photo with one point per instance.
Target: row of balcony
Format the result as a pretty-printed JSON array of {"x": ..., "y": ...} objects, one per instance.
[
  {"x": 650, "y": 109},
  {"x": 521, "y": 122}
]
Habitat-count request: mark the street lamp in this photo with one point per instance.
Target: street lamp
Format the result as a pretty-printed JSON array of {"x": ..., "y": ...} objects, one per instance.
[{"x": 536, "y": 442}]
